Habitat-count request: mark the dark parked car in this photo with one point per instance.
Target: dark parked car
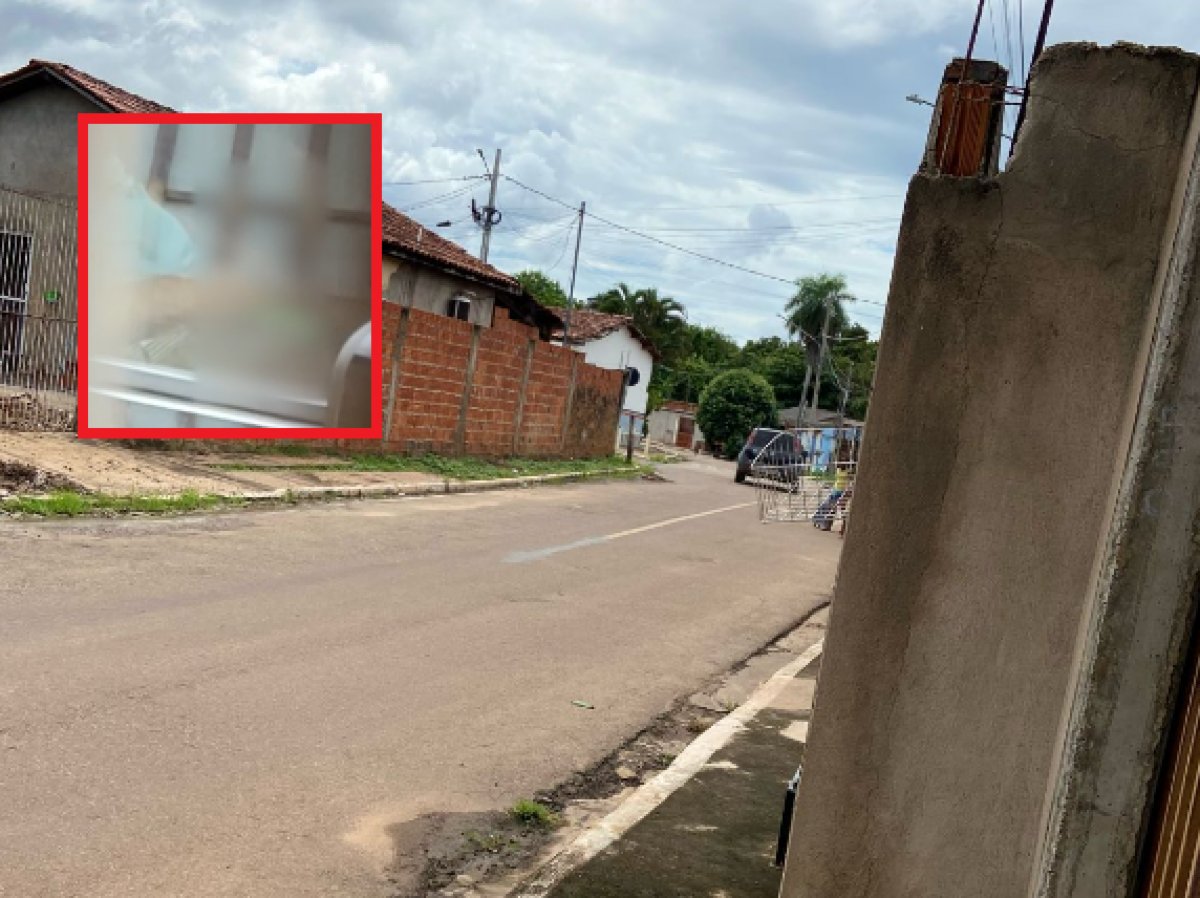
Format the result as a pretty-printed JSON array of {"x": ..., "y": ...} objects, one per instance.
[{"x": 785, "y": 451}]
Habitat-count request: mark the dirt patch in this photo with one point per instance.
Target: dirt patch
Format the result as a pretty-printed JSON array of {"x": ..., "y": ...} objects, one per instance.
[
  {"x": 444, "y": 854},
  {"x": 17, "y": 478}
]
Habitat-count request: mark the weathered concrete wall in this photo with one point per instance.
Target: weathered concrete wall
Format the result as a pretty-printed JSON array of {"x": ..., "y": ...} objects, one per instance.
[
  {"x": 38, "y": 140},
  {"x": 1013, "y": 356},
  {"x": 419, "y": 287}
]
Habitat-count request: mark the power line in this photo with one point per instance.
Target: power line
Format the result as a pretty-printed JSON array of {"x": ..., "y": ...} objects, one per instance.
[
  {"x": 698, "y": 255},
  {"x": 776, "y": 228},
  {"x": 434, "y": 181},
  {"x": 807, "y": 202},
  {"x": 440, "y": 198}
]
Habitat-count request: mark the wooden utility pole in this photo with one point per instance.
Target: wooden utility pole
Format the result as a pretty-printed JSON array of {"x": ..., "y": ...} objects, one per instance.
[
  {"x": 574, "y": 268},
  {"x": 489, "y": 211}
]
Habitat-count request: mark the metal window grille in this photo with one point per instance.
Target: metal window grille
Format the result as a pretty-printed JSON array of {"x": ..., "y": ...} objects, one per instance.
[{"x": 38, "y": 336}]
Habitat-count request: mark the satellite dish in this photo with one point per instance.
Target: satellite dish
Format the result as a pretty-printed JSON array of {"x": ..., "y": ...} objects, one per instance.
[{"x": 632, "y": 376}]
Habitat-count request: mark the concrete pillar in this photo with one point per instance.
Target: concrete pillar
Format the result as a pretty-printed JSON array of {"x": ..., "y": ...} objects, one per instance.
[
  {"x": 1037, "y": 389},
  {"x": 464, "y": 405},
  {"x": 394, "y": 375},
  {"x": 519, "y": 416}
]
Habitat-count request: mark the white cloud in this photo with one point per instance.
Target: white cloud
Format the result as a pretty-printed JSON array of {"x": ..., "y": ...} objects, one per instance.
[{"x": 755, "y": 115}]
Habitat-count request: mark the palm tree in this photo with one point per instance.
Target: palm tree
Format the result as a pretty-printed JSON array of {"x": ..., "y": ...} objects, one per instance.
[
  {"x": 816, "y": 308},
  {"x": 662, "y": 319}
]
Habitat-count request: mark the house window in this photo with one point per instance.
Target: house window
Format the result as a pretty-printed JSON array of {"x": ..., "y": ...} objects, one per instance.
[{"x": 459, "y": 307}]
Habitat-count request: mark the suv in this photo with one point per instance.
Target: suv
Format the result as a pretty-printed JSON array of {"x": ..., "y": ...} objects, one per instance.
[{"x": 785, "y": 451}]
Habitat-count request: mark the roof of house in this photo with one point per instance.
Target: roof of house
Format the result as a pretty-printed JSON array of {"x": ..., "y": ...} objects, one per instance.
[
  {"x": 402, "y": 236},
  {"x": 588, "y": 325},
  {"x": 679, "y": 406},
  {"x": 408, "y": 237},
  {"x": 105, "y": 95}
]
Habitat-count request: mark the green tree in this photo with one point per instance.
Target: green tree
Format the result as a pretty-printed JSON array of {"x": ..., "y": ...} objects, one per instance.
[
  {"x": 662, "y": 319},
  {"x": 781, "y": 362},
  {"x": 543, "y": 288},
  {"x": 732, "y": 405},
  {"x": 805, "y": 313},
  {"x": 709, "y": 345}
]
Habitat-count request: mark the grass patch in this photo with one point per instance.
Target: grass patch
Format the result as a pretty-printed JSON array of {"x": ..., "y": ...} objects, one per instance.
[
  {"x": 660, "y": 458},
  {"x": 67, "y": 503},
  {"x": 533, "y": 814},
  {"x": 458, "y": 468}
]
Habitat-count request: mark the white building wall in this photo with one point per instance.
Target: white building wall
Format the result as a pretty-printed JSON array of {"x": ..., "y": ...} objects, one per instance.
[{"x": 618, "y": 350}]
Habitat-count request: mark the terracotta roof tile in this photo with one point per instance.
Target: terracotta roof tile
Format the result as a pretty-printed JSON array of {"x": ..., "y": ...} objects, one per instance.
[
  {"x": 588, "y": 325},
  {"x": 101, "y": 92},
  {"x": 402, "y": 233}
]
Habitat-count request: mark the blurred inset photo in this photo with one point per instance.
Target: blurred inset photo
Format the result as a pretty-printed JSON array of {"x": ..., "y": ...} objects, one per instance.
[{"x": 229, "y": 276}]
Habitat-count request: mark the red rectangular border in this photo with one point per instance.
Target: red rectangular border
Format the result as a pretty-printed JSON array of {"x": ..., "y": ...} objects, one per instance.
[{"x": 375, "y": 431}]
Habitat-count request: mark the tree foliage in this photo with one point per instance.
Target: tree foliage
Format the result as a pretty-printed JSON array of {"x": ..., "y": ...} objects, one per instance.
[
  {"x": 817, "y": 297},
  {"x": 543, "y": 288},
  {"x": 662, "y": 319},
  {"x": 732, "y": 405},
  {"x": 693, "y": 356}
]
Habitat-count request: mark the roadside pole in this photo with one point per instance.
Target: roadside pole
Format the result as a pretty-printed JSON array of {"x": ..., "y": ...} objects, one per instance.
[
  {"x": 490, "y": 209},
  {"x": 574, "y": 268}
]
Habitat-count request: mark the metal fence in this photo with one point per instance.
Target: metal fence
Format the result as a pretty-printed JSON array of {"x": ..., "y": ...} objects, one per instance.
[
  {"x": 808, "y": 475},
  {"x": 38, "y": 312}
]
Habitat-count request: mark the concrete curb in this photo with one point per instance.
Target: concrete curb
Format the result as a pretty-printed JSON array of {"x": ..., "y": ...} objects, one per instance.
[
  {"x": 647, "y": 797},
  {"x": 388, "y": 490},
  {"x": 438, "y": 488}
]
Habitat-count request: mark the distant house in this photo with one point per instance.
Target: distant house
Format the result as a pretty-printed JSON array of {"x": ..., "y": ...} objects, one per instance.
[
  {"x": 821, "y": 418},
  {"x": 674, "y": 424},
  {"x": 827, "y": 435},
  {"x": 423, "y": 270},
  {"x": 614, "y": 342},
  {"x": 39, "y": 105}
]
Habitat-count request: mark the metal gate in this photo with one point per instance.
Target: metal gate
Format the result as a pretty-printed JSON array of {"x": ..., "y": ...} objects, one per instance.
[
  {"x": 38, "y": 342},
  {"x": 808, "y": 475}
]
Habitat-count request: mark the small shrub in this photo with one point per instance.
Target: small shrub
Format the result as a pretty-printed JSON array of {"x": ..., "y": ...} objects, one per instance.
[{"x": 533, "y": 814}]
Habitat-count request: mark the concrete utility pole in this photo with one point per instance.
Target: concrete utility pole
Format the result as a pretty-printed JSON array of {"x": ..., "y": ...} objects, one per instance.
[
  {"x": 489, "y": 211},
  {"x": 574, "y": 268},
  {"x": 816, "y": 393}
]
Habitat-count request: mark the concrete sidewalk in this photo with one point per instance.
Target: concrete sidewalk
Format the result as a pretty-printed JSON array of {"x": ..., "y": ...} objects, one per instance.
[
  {"x": 99, "y": 466},
  {"x": 716, "y": 834}
]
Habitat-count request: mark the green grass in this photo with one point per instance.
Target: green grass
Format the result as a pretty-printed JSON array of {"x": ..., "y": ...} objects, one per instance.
[
  {"x": 66, "y": 503},
  {"x": 457, "y": 468},
  {"x": 533, "y": 814}
]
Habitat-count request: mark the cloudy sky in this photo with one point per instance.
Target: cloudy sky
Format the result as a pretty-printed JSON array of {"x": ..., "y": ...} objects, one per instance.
[{"x": 772, "y": 134}]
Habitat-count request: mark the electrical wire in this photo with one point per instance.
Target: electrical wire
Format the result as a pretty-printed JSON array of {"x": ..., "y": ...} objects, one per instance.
[
  {"x": 650, "y": 237},
  {"x": 439, "y": 199},
  {"x": 434, "y": 180}
]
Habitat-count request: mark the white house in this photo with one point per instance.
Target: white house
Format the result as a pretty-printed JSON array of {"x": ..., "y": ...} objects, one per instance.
[{"x": 612, "y": 341}]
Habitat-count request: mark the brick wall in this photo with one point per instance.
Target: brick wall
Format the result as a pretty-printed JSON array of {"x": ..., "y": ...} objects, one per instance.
[{"x": 455, "y": 388}]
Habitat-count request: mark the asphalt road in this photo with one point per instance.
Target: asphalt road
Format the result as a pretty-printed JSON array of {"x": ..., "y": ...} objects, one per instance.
[{"x": 242, "y": 704}]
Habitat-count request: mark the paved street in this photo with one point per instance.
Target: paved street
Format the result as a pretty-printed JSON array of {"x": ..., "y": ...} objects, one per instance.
[{"x": 242, "y": 704}]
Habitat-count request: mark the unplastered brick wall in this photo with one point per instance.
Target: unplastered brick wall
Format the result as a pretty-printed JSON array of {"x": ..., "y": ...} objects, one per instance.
[{"x": 454, "y": 388}]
